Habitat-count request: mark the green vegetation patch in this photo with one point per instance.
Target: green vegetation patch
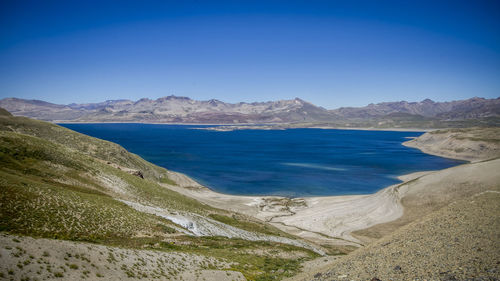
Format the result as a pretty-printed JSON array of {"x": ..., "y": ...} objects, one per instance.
[
  {"x": 38, "y": 209},
  {"x": 165, "y": 179},
  {"x": 100, "y": 149}
]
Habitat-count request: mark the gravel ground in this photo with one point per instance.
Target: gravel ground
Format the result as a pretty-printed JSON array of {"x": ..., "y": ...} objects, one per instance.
[{"x": 458, "y": 242}]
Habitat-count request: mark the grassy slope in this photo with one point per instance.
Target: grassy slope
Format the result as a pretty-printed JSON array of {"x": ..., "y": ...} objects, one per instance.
[
  {"x": 54, "y": 184},
  {"x": 94, "y": 147}
]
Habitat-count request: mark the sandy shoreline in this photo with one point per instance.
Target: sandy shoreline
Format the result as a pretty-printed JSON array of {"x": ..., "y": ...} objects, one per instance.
[{"x": 326, "y": 220}]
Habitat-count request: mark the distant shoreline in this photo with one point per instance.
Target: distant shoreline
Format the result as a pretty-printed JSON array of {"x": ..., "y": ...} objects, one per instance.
[{"x": 259, "y": 126}]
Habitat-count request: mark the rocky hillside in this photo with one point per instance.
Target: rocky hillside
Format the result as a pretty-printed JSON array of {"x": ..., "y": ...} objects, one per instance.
[
  {"x": 62, "y": 185},
  {"x": 173, "y": 109}
]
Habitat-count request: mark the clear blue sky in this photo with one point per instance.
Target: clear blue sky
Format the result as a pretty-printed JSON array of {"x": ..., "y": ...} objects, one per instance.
[{"x": 331, "y": 53}]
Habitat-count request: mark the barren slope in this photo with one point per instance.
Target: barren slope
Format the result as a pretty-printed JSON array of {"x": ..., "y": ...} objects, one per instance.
[
  {"x": 458, "y": 242},
  {"x": 471, "y": 144}
]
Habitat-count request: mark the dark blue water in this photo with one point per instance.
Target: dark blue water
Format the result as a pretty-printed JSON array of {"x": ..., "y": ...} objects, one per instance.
[{"x": 295, "y": 162}]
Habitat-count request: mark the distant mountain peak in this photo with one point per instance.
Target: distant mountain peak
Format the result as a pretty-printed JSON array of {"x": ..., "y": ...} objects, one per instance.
[
  {"x": 215, "y": 102},
  {"x": 427, "y": 101}
]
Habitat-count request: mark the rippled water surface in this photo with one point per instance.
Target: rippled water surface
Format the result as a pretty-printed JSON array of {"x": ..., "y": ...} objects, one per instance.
[{"x": 295, "y": 162}]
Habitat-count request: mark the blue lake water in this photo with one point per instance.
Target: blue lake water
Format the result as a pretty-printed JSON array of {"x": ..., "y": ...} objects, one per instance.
[{"x": 295, "y": 162}]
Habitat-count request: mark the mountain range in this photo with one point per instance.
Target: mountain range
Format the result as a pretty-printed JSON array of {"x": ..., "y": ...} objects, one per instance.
[{"x": 175, "y": 109}]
